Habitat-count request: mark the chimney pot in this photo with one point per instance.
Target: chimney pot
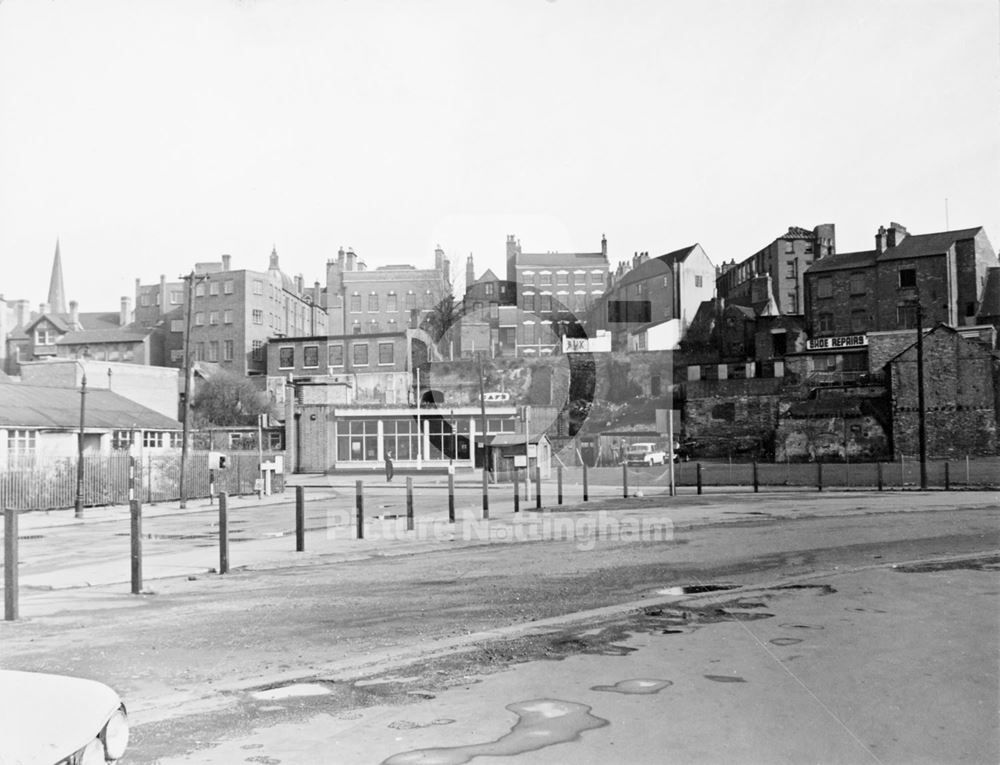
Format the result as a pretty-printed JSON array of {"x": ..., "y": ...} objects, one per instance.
[{"x": 226, "y": 259}]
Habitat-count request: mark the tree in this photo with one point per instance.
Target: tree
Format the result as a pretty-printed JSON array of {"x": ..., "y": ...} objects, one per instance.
[
  {"x": 443, "y": 316},
  {"x": 226, "y": 399}
]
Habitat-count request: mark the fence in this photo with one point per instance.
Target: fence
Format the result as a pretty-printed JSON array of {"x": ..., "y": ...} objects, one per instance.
[{"x": 49, "y": 483}]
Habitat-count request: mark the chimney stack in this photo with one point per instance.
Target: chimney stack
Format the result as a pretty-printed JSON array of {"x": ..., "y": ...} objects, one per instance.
[
  {"x": 604, "y": 246},
  {"x": 226, "y": 259},
  {"x": 880, "y": 239},
  {"x": 897, "y": 234},
  {"x": 74, "y": 314},
  {"x": 161, "y": 306},
  {"x": 350, "y": 259},
  {"x": 316, "y": 293},
  {"x": 340, "y": 258},
  {"x": 123, "y": 318},
  {"x": 43, "y": 309}
]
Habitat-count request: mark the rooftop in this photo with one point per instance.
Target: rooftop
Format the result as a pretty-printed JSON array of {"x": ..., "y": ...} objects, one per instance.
[{"x": 36, "y": 406}]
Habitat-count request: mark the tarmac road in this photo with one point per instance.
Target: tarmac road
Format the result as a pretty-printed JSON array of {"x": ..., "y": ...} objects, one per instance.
[{"x": 384, "y": 629}]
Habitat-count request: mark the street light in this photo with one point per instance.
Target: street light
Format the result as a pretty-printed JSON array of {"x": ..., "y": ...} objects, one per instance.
[{"x": 79, "y": 446}]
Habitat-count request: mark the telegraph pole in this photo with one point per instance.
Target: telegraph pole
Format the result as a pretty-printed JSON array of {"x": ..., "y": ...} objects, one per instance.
[
  {"x": 78, "y": 511},
  {"x": 921, "y": 414},
  {"x": 482, "y": 414},
  {"x": 185, "y": 432}
]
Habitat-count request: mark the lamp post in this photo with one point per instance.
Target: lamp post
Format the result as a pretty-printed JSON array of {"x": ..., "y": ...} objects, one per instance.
[
  {"x": 79, "y": 448},
  {"x": 482, "y": 415}
]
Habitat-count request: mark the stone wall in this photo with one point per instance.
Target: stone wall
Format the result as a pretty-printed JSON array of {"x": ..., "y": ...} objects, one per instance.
[{"x": 732, "y": 417}]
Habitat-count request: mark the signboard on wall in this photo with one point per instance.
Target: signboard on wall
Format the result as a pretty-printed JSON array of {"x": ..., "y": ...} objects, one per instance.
[
  {"x": 599, "y": 344},
  {"x": 837, "y": 343},
  {"x": 496, "y": 396}
]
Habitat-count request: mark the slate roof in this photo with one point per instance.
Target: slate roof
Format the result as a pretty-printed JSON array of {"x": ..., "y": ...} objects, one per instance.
[
  {"x": 115, "y": 335},
  {"x": 920, "y": 245},
  {"x": 661, "y": 263},
  {"x": 37, "y": 406},
  {"x": 843, "y": 260},
  {"x": 568, "y": 259}
]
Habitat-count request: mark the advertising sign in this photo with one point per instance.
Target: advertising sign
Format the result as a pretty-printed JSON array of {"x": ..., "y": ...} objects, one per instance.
[{"x": 837, "y": 343}]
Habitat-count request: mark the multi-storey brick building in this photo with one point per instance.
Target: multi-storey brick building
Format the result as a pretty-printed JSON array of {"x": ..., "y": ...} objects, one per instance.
[
  {"x": 650, "y": 305},
  {"x": 160, "y": 307},
  {"x": 484, "y": 300},
  {"x": 386, "y": 299},
  {"x": 775, "y": 273},
  {"x": 555, "y": 293},
  {"x": 235, "y": 313}
]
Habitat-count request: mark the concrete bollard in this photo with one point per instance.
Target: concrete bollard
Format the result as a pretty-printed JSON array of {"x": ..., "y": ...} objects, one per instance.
[
  {"x": 756, "y": 479},
  {"x": 624, "y": 480},
  {"x": 409, "y": 503},
  {"x": 359, "y": 503},
  {"x": 878, "y": 474},
  {"x": 10, "y": 565},
  {"x": 697, "y": 473},
  {"x": 223, "y": 533},
  {"x": 300, "y": 519},
  {"x": 819, "y": 476},
  {"x": 947, "y": 476},
  {"x": 135, "y": 510}
]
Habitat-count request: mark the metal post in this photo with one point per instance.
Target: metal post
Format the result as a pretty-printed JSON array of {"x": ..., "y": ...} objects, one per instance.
[
  {"x": 947, "y": 475},
  {"x": 538, "y": 487},
  {"x": 486, "y": 496},
  {"x": 756, "y": 481},
  {"x": 223, "y": 533},
  {"x": 79, "y": 448},
  {"x": 10, "y": 564},
  {"x": 698, "y": 476},
  {"x": 586, "y": 491},
  {"x": 451, "y": 497},
  {"x": 211, "y": 486},
  {"x": 185, "y": 419},
  {"x": 517, "y": 498},
  {"x": 409, "y": 503},
  {"x": 624, "y": 480},
  {"x": 300, "y": 519},
  {"x": 559, "y": 476},
  {"x": 819, "y": 476},
  {"x": 359, "y": 503},
  {"x": 135, "y": 508},
  {"x": 878, "y": 474}
]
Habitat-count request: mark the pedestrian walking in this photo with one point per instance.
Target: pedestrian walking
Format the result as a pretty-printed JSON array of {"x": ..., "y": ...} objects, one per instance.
[{"x": 388, "y": 466}]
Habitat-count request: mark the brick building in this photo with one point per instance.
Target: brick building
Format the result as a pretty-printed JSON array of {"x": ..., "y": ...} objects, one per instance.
[
  {"x": 160, "y": 307},
  {"x": 650, "y": 305},
  {"x": 555, "y": 293},
  {"x": 775, "y": 274},
  {"x": 484, "y": 301},
  {"x": 235, "y": 313},
  {"x": 961, "y": 395},
  {"x": 386, "y": 299}
]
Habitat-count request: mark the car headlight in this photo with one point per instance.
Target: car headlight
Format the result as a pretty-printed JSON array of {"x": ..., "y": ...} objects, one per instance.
[
  {"x": 115, "y": 735},
  {"x": 93, "y": 753}
]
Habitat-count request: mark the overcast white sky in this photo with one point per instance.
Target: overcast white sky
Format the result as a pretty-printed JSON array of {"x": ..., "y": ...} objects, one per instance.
[{"x": 150, "y": 135}]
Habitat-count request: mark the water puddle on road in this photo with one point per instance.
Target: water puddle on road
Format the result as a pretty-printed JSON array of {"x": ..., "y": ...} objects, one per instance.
[
  {"x": 694, "y": 589},
  {"x": 296, "y": 690},
  {"x": 637, "y": 687},
  {"x": 724, "y": 678},
  {"x": 541, "y": 723}
]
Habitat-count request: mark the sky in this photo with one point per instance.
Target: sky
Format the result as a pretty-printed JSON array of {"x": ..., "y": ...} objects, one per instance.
[{"x": 146, "y": 136}]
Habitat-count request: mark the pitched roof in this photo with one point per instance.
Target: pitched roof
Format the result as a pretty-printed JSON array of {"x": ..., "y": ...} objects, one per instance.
[
  {"x": 654, "y": 266},
  {"x": 131, "y": 334},
  {"x": 552, "y": 259},
  {"x": 488, "y": 276},
  {"x": 843, "y": 260},
  {"x": 37, "y": 406},
  {"x": 920, "y": 245}
]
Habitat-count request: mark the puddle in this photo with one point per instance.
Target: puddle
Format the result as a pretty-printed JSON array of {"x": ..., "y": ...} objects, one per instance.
[
  {"x": 296, "y": 690},
  {"x": 824, "y": 589},
  {"x": 694, "y": 589},
  {"x": 724, "y": 678},
  {"x": 785, "y": 641},
  {"x": 984, "y": 563},
  {"x": 541, "y": 723},
  {"x": 409, "y": 725},
  {"x": 640, "y": 686},
  {"x": 800, "y": 626}
]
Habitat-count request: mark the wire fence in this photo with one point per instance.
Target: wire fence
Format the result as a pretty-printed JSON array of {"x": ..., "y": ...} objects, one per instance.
[{"x": 50, "y": 483}]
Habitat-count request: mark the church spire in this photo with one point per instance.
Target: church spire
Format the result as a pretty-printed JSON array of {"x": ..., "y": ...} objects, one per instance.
[{"x": 57, "y": 295}]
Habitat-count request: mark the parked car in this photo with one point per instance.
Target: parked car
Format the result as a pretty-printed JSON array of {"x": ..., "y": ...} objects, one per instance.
[
  {"x": 646, "y": 453},
  {"x": 59, "y": 720}
]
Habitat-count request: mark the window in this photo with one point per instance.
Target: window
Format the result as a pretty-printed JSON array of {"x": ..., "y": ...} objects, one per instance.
[
  {"x": 200, "y": 351},
  {"x": 227, "y": 316},
  {"x": 360, "y": 354},
  {"x": 859, "y": 321},
  {"x": 258, "y": 287},
  {"x": 373, "y": 326},
  {"x": 546, "y": 278},
  {"x": 597, "y": 277},
  {"x": 825, "y": 322},
  {"x": 562, "y": 278},
  {"x": 213, "y": 350},
  {"x": 45, "y": 337},
  {"x": 176, "y": 297},
  {"x": 356, "y": 328},
  {"x": 213, "y": 317},
  {"x": 858, "y": 284},
  {"x": 199, "y": 318},
  {"x": 411, "y": 300},
  {"x": 177, "y": 355},
  {"x": 152, "y": 439},
  {"x": 257, "y": 350},
  {"x": 477, "y": 306},
  {"x": 488, "y": 289},
  {"x": 144, "y": 300},
  {"x": 258, "y": 316},
  {"x": 824, "y": 287},
  {"x": 356, "y": 302},
  {"x": 385, "y": 351},
  {"x": 227, "y": 286},
  {"x": 907, "y": 277},
  {"x": 335, "y": 354},
  {"x": 906, "y": 316},
  {"x": 227, "y": 350},
  {"x": 372, "y": 302},
  {"x": 529, "y": 302},
  {"x": 286, "y": 357},
  {"x": 544, "y": 302},
  {"x": 21, "y": 440},
  {"x": 310, "y": 356},
  {"x": 790, "y": 272},
  {"x": 391, "y": 302},
  {"x": 793, "y": 303},
  {"x": 213, "y": 288},
  {"x": 121, "y": 439},
  {"x": 697, "y": 280},
  {"x": 176, "y": 325},
  {"x": 199, "y": 289}
]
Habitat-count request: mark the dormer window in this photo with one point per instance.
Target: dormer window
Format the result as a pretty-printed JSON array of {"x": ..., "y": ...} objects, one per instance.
[{"x": 45, "y": 336}]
